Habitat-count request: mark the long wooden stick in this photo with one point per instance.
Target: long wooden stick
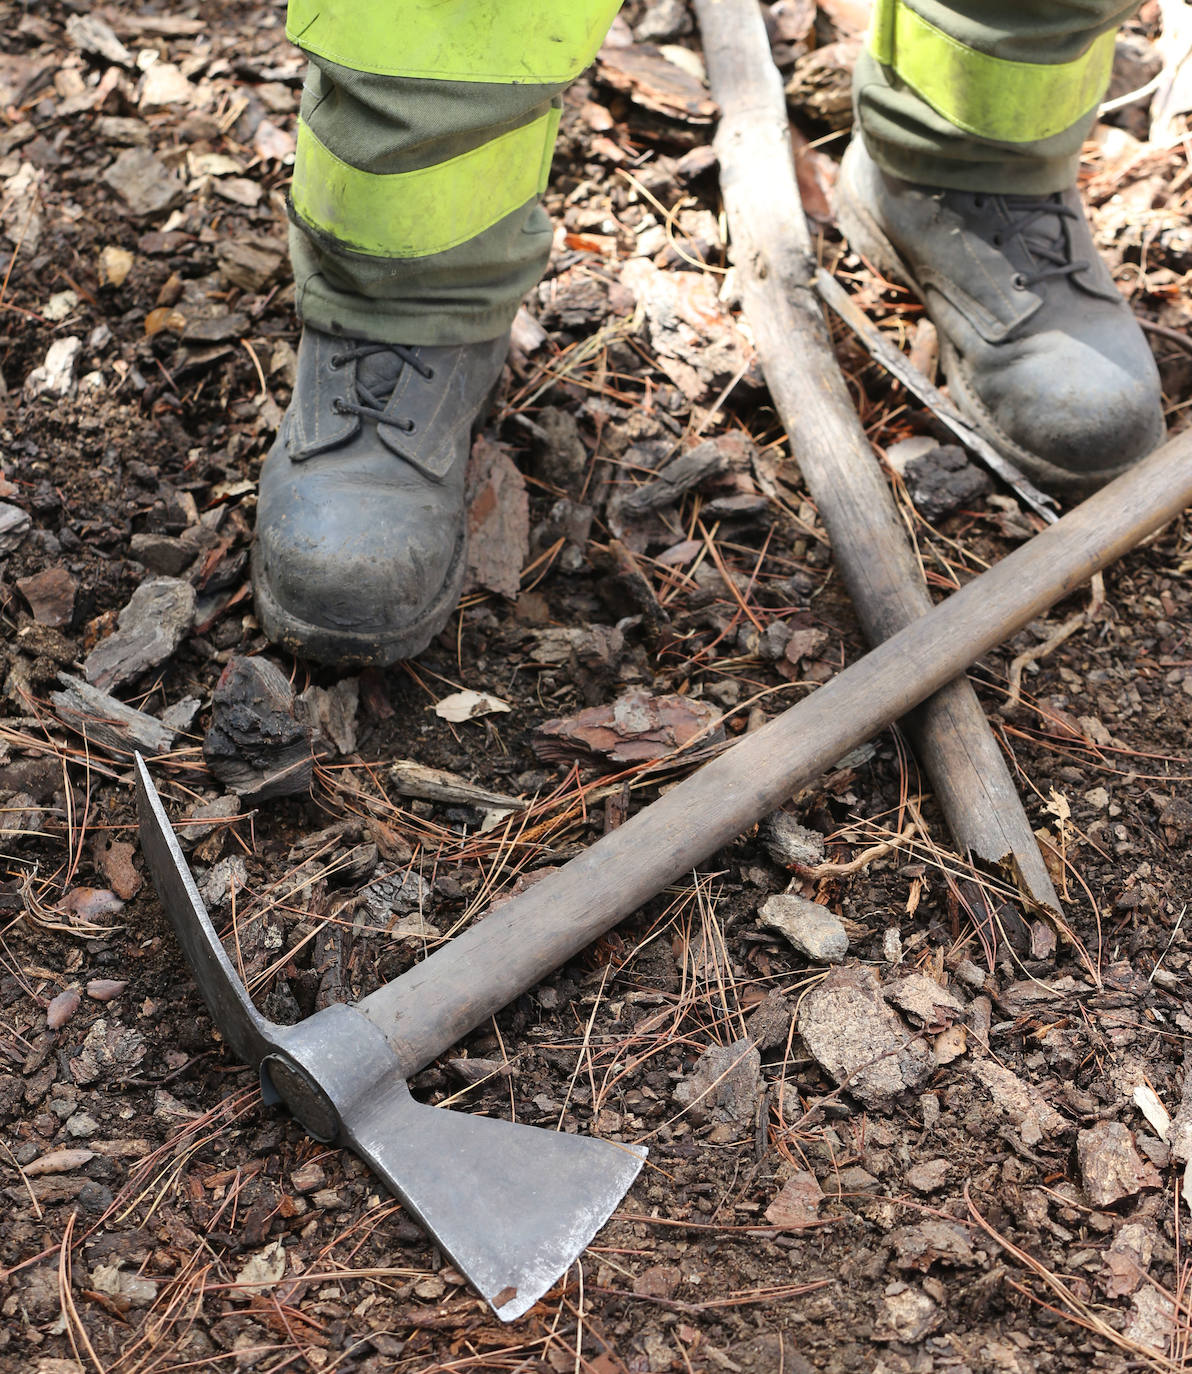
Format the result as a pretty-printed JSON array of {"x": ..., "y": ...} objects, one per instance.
[
  {"x": 775, "y": 263},
  {"x": 426, "y": 1010}
]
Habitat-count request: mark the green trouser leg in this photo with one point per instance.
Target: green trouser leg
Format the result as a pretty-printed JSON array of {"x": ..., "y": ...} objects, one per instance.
[
  {"x": 425, "y": 136},
  {"x": 985, "y": 95}
]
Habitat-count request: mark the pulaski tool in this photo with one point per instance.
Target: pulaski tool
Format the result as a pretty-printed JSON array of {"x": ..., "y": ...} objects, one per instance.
[{"x": 513, "y": 1206}]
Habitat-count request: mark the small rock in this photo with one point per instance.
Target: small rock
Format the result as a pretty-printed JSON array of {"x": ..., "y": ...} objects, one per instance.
[
  {"x": 158, "y": 616},
  {"x": 950, "y": 1044},
  {"x": 55, "y": 377},
  {"x": 115, "y": 264},
  {"x": 1152, "y": 1319},
  {"x": 812, "y": 929},
  {"x": 14, "y": 526},
  {"x": 61, "y": 1008},
  {"x": 106, "y": 989},
  {"x": 1110, "y": 1166},
  {"x": 658, "y": 1281},
  {"x": 858, "y": 1041},
  {"x": 1022, "y": 1102},
  {"x": 724, "y": 1086},
  {"x": 790, "y": 844},
  {"x": 928, "y": 1176},
  {"x": 108, "y": 1047},
  {"x": 112, "y": 1280},
  {"x": 853, "y": 1180},
  {"x": 262, "y": 1270},
  {"x": 91, "y": 34},
  {"x": 222, "y": 881},
  {"x": 163, "y": 553},
  {"x": 307, "y": 1177},
  {"x": 471, "y": 1071},
  {"x": 970, "y": 975},
  {"x": 163, "y": 85},
  {"x": 203, "y": 820},
  {"x": 51, "y": 595},
  {"x": 89, "y": 904},
  {"x": 910, "y": 1314},
  {"x": 931, "y": 1242},
  {"x": 663, "y": 22},
  {"x": 181, "y": 715},
  {"x": 396, "y": 894},
  {"x": 82, "y": 1125},
  {"x": 924, "y": 1001},
  {"x": 769, "y": 1023},
  {"x": 115, "y": 858},
  {"x": 144, "y": 183}
]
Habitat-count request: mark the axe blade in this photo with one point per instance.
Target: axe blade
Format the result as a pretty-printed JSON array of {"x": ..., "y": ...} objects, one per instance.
[{"x": 512, "y": 1206}]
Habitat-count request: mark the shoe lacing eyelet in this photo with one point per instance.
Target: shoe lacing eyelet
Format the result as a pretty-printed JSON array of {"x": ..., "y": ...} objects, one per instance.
[
  {"x": 429, "y": 374},
  {"x": 996, "y": 240},
  {"x": 337, "y": 406},
  {"x": 1019, "y": 282},
  {"x": 409, "y": 427},
  {"x": 336, "y": 361}
]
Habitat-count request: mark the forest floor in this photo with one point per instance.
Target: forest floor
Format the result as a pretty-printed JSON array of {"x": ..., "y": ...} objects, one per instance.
[{"x": 1017, "y": 1208}]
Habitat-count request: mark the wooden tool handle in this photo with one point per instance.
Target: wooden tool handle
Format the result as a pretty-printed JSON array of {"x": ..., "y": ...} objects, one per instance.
[
  {"x": 775, "y": 263},
  {"x": 508, "y": 950}
]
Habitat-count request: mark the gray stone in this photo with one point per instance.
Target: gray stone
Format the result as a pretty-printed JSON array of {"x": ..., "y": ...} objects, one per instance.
[
  {"x": 14, "y": 526},
  {"x": 724, "y": 1086},
  {"x": 812, "y": 929},
  {"x": 858, "y": 1041},
  {"x": 145, "y": 184},
  {"x": 790, "y": 844}
]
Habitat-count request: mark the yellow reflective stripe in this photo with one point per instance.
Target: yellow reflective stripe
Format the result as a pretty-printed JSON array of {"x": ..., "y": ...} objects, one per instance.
[
  {"x": 414, "y": 214},
  {"x": 522, "y": 42},
  {"x": 992, "y": 97}
]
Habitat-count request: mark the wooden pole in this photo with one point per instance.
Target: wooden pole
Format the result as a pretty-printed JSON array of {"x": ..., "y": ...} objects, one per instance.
[
  {"x": 508, "y": 950},
  {"x": 774, "y": 258}
]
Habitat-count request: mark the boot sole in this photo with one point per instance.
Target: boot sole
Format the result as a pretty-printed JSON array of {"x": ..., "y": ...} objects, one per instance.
[
  {"x": 865, "y": 237},
  {"x": 350, "y": 648}
]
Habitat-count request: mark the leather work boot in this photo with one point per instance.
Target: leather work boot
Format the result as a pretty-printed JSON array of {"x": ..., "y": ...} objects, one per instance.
[
  {"x": 1040, "y": 350},
  {"x": 361, "y": 522}
]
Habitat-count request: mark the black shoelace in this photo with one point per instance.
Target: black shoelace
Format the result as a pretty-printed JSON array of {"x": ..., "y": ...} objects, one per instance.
[
  {"x": 369, "y": 403},
  {"x": 1029, "y": 212}
]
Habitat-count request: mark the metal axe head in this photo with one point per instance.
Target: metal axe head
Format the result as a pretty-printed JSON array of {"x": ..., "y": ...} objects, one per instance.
[{"x": 512, "y": 1206}]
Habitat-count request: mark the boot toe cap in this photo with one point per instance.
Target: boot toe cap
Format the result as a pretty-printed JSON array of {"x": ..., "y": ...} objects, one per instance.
[
  {"x": 1074, "y": 411},
  {"x": 344, "y": 575}
]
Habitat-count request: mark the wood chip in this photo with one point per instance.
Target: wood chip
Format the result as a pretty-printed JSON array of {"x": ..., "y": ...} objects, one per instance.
[
  {"x": 108, "y": 723},
  {"x": 411, "y": 779},
  {"x": 636, "y": 726},
  {"x": 150, "y": 628},
  {"x": 498, "y": 521},
  {"x": 50, "y": 594}
]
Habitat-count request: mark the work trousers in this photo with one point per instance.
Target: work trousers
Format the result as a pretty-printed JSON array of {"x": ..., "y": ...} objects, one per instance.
[{"x": 426, "y": 131}]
